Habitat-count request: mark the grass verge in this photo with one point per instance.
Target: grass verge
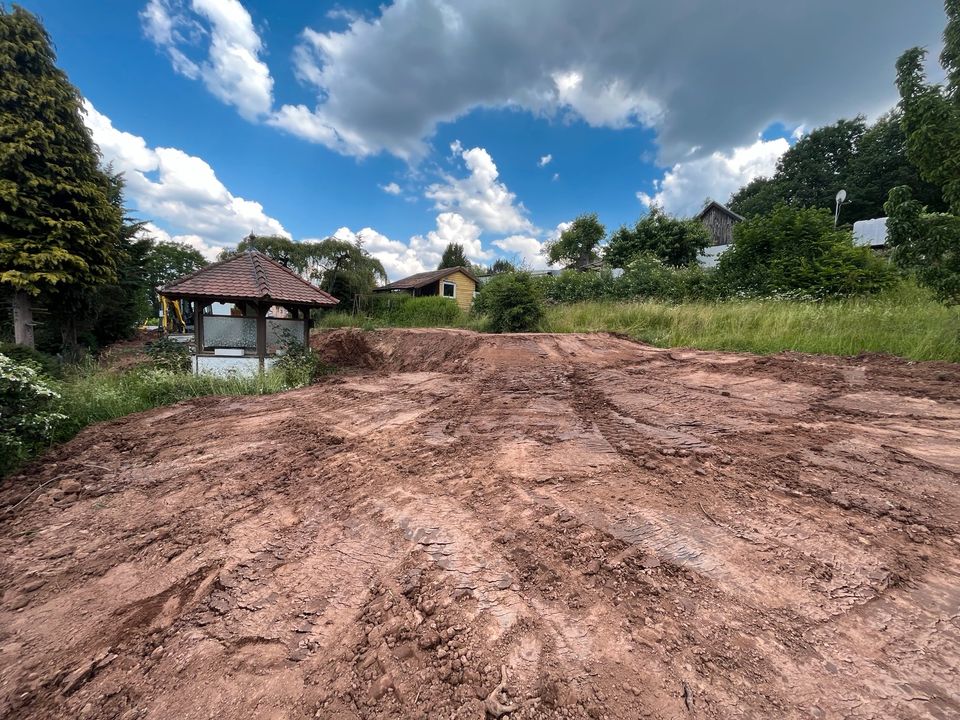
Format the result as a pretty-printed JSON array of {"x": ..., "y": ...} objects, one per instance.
[{"x": 906, "y": 322}]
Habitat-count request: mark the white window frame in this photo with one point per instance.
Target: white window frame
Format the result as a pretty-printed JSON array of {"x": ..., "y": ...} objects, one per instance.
[{"x": 443, "y": 287}]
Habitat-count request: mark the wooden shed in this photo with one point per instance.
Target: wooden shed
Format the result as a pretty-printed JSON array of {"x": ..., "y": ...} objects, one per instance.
[
  {"x": 719, "y": 220},
  {"x": 245, "y": 308},
  {"x": 457, "y": 283}
]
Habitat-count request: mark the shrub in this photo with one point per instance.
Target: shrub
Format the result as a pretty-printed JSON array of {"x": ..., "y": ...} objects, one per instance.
[
  {"x": 43, "y": 363},
  {"x": 928, "y": 243},
  {"x": 297, "y": 364},
  {"x": 513, "y": 303},
  {"x": 431, "y": 311},
  {"x": 674, "y": 241},
  {"x": 799, "y": 251},
  {"x": 168, "y": 354},
  {"x": 27, "y": 421}
]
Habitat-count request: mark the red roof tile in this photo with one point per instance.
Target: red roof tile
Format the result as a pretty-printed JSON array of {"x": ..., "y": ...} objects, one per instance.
[{"x": 248, "y": 276}]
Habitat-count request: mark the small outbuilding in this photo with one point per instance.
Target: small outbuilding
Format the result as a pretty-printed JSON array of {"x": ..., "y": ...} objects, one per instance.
[
  {"x": 457, "y": 283},
  {"x": 719, "y": 220},
  {"x": 245, "y": 309}
]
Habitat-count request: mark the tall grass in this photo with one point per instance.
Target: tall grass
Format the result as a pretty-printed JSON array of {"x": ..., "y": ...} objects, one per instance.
[
  {"x": 905, "y": 321},
  {"x": 403, "y": 311},
  {"x": 94, "y": 395}
]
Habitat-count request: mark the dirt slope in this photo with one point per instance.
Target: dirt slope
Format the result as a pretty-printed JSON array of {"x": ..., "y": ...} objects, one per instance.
[{"x": 630, "y": 532}]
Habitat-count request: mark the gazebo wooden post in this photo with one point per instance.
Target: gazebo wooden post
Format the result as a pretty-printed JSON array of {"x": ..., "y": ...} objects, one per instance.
[
  {"x": 262, "y": 334},
  {"x": 197, "y": 332}
]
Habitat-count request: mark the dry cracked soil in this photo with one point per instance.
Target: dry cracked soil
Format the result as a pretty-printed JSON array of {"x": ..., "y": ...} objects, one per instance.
[{"x": 523, "y": 526}]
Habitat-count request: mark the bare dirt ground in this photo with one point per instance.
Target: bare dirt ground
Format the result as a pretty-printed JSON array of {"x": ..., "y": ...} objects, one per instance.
[{"x": 628, "y": 532}]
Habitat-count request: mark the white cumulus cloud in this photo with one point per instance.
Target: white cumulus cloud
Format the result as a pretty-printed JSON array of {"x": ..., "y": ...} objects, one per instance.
[
  {"x": 545, "y": 160},
  {"x": 480, "y": 196},
  {"x": 687, "y": 184},
  {"x": 391, "y": 188},
  {"x": 178, "y": 192},
  {"x": 233, "y": 70}
]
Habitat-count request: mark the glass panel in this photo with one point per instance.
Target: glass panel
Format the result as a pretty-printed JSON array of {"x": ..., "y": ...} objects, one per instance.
[
  {"x": 281, "y": 331},
  {"x": 449, "y": 289},
  {"x": 229, "y": 332}
]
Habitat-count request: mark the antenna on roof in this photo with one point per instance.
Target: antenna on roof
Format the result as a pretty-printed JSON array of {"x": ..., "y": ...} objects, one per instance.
[{"x": 841, "y": 196}]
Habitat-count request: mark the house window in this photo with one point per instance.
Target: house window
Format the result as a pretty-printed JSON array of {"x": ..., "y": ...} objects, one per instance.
[{"x": 449, "y": 289}]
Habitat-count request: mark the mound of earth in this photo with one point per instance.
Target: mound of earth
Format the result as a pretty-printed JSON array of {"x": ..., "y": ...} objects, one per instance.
[{"x": 523, "y": 526}]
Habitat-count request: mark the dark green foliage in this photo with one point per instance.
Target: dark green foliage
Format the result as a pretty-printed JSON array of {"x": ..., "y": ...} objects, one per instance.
[
  {"x": 27, "y": 420},
  {"x": 502, "y": 266},
  {"x": 168, "y": 354},
  {"x": 931, "y": 113},
  {"x": 165, "y": 262},
  {"x": 512, "y": 302},
  {"x": 340, "y": 267},
  {"x": 798, "y": 250},
  {"x": 577, "y": 245},
  {"x": 42, "y": 362},
  {"x": 675, "y": 241},
  {"x": 432, "y": 311},
  {"x": 297, "y": 364},
  {"x": 866, "y": 161},
  {"x": 57, "y": 224},
  {"x": 454, "y": 255},
  {"x": 645, "y": 277},
  {"x": 927, "y": 243}
]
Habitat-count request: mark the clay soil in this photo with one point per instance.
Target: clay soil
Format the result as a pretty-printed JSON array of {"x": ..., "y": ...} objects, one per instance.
[{"x": 628, "y": 532}]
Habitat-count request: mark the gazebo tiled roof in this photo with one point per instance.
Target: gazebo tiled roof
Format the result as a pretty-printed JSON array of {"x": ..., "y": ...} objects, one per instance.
[{"x": 248, "y": 276}]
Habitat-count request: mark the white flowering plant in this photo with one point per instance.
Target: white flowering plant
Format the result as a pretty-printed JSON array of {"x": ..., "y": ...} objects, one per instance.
[{"x": 27, "y": 420}]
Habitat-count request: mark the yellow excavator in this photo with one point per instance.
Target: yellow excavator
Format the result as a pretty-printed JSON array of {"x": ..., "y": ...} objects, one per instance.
[{"x": 171, "y": 320}]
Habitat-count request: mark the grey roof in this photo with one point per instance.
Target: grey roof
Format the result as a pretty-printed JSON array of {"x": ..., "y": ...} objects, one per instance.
[
  {"x": 721, "y": 208},
  {"x": 425, "y": 278}
]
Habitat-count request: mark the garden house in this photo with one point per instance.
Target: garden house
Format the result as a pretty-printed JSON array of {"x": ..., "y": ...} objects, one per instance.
[
  {"x": 245, "y": 309},
  {"x": 457, "y": 283}
]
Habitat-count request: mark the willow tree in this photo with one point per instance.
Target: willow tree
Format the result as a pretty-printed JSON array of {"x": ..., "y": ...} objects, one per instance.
[{"x": 58, "y": 226}]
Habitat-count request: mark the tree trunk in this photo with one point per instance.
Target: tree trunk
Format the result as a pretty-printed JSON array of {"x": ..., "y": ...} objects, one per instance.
[{"x": 22, "y": 319}]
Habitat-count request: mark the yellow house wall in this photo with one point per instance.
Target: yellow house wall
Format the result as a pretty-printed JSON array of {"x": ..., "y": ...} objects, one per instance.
[{"x": 465, "y": 288}]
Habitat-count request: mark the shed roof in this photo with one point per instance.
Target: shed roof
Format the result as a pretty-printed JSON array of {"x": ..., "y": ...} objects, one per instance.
[
  {"x": 722, "y": 208},
  {"x": 425, "y": 278},
  {"x": 248, "y": 276}
]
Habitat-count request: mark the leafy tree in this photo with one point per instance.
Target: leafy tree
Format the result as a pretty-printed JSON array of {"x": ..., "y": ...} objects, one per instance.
[
  {"x": 928, "y": 243},
  {"x": 58, "y": 226},
  {"x": 454, "y": 255},
  {"x": 757, "y": 197},
  {"x": 165, "y": 261},
  {"x": 502, "y": 266},
  {"x": 866, "y": 161},
  {"x": 578, "y": 244},
  {"x": 799, "y": 250},
  {"x": 675, "y": 241},
  {"x": 931, "y": 113},
  {"x": 342, "y": 268},
  {"x": 513, "y": 302}
]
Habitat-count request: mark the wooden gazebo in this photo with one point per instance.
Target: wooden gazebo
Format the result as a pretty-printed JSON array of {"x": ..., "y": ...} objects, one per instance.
[{"x": 245, "y": 308}]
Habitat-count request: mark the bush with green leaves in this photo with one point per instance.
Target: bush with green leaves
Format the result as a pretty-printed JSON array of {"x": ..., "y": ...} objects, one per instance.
[
  {"x": 799, "y": 252},
  {"x": 927, "y": 243},
  {"x": 43, "y": 363},
  {"x": 512, "y": 302},
  {"x": 644, "y": 277},
  {"x": 166, "y": 353},
  {"x": 674, "y": 241},
  {"x": 27, "y": 417},
  {"x": 296, "y": 363},
  {"x": 431, "y": 311}
]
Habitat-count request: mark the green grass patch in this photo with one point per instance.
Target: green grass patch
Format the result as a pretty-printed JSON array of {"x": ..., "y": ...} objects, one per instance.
[
  {"x": 401, "y": 311},
  {"x": 94, "y": 395},
  {"x": 905, "y": 321}
]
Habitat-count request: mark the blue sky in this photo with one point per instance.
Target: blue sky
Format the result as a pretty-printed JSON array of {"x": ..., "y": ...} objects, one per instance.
[{"x": 420, "y": 122}]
